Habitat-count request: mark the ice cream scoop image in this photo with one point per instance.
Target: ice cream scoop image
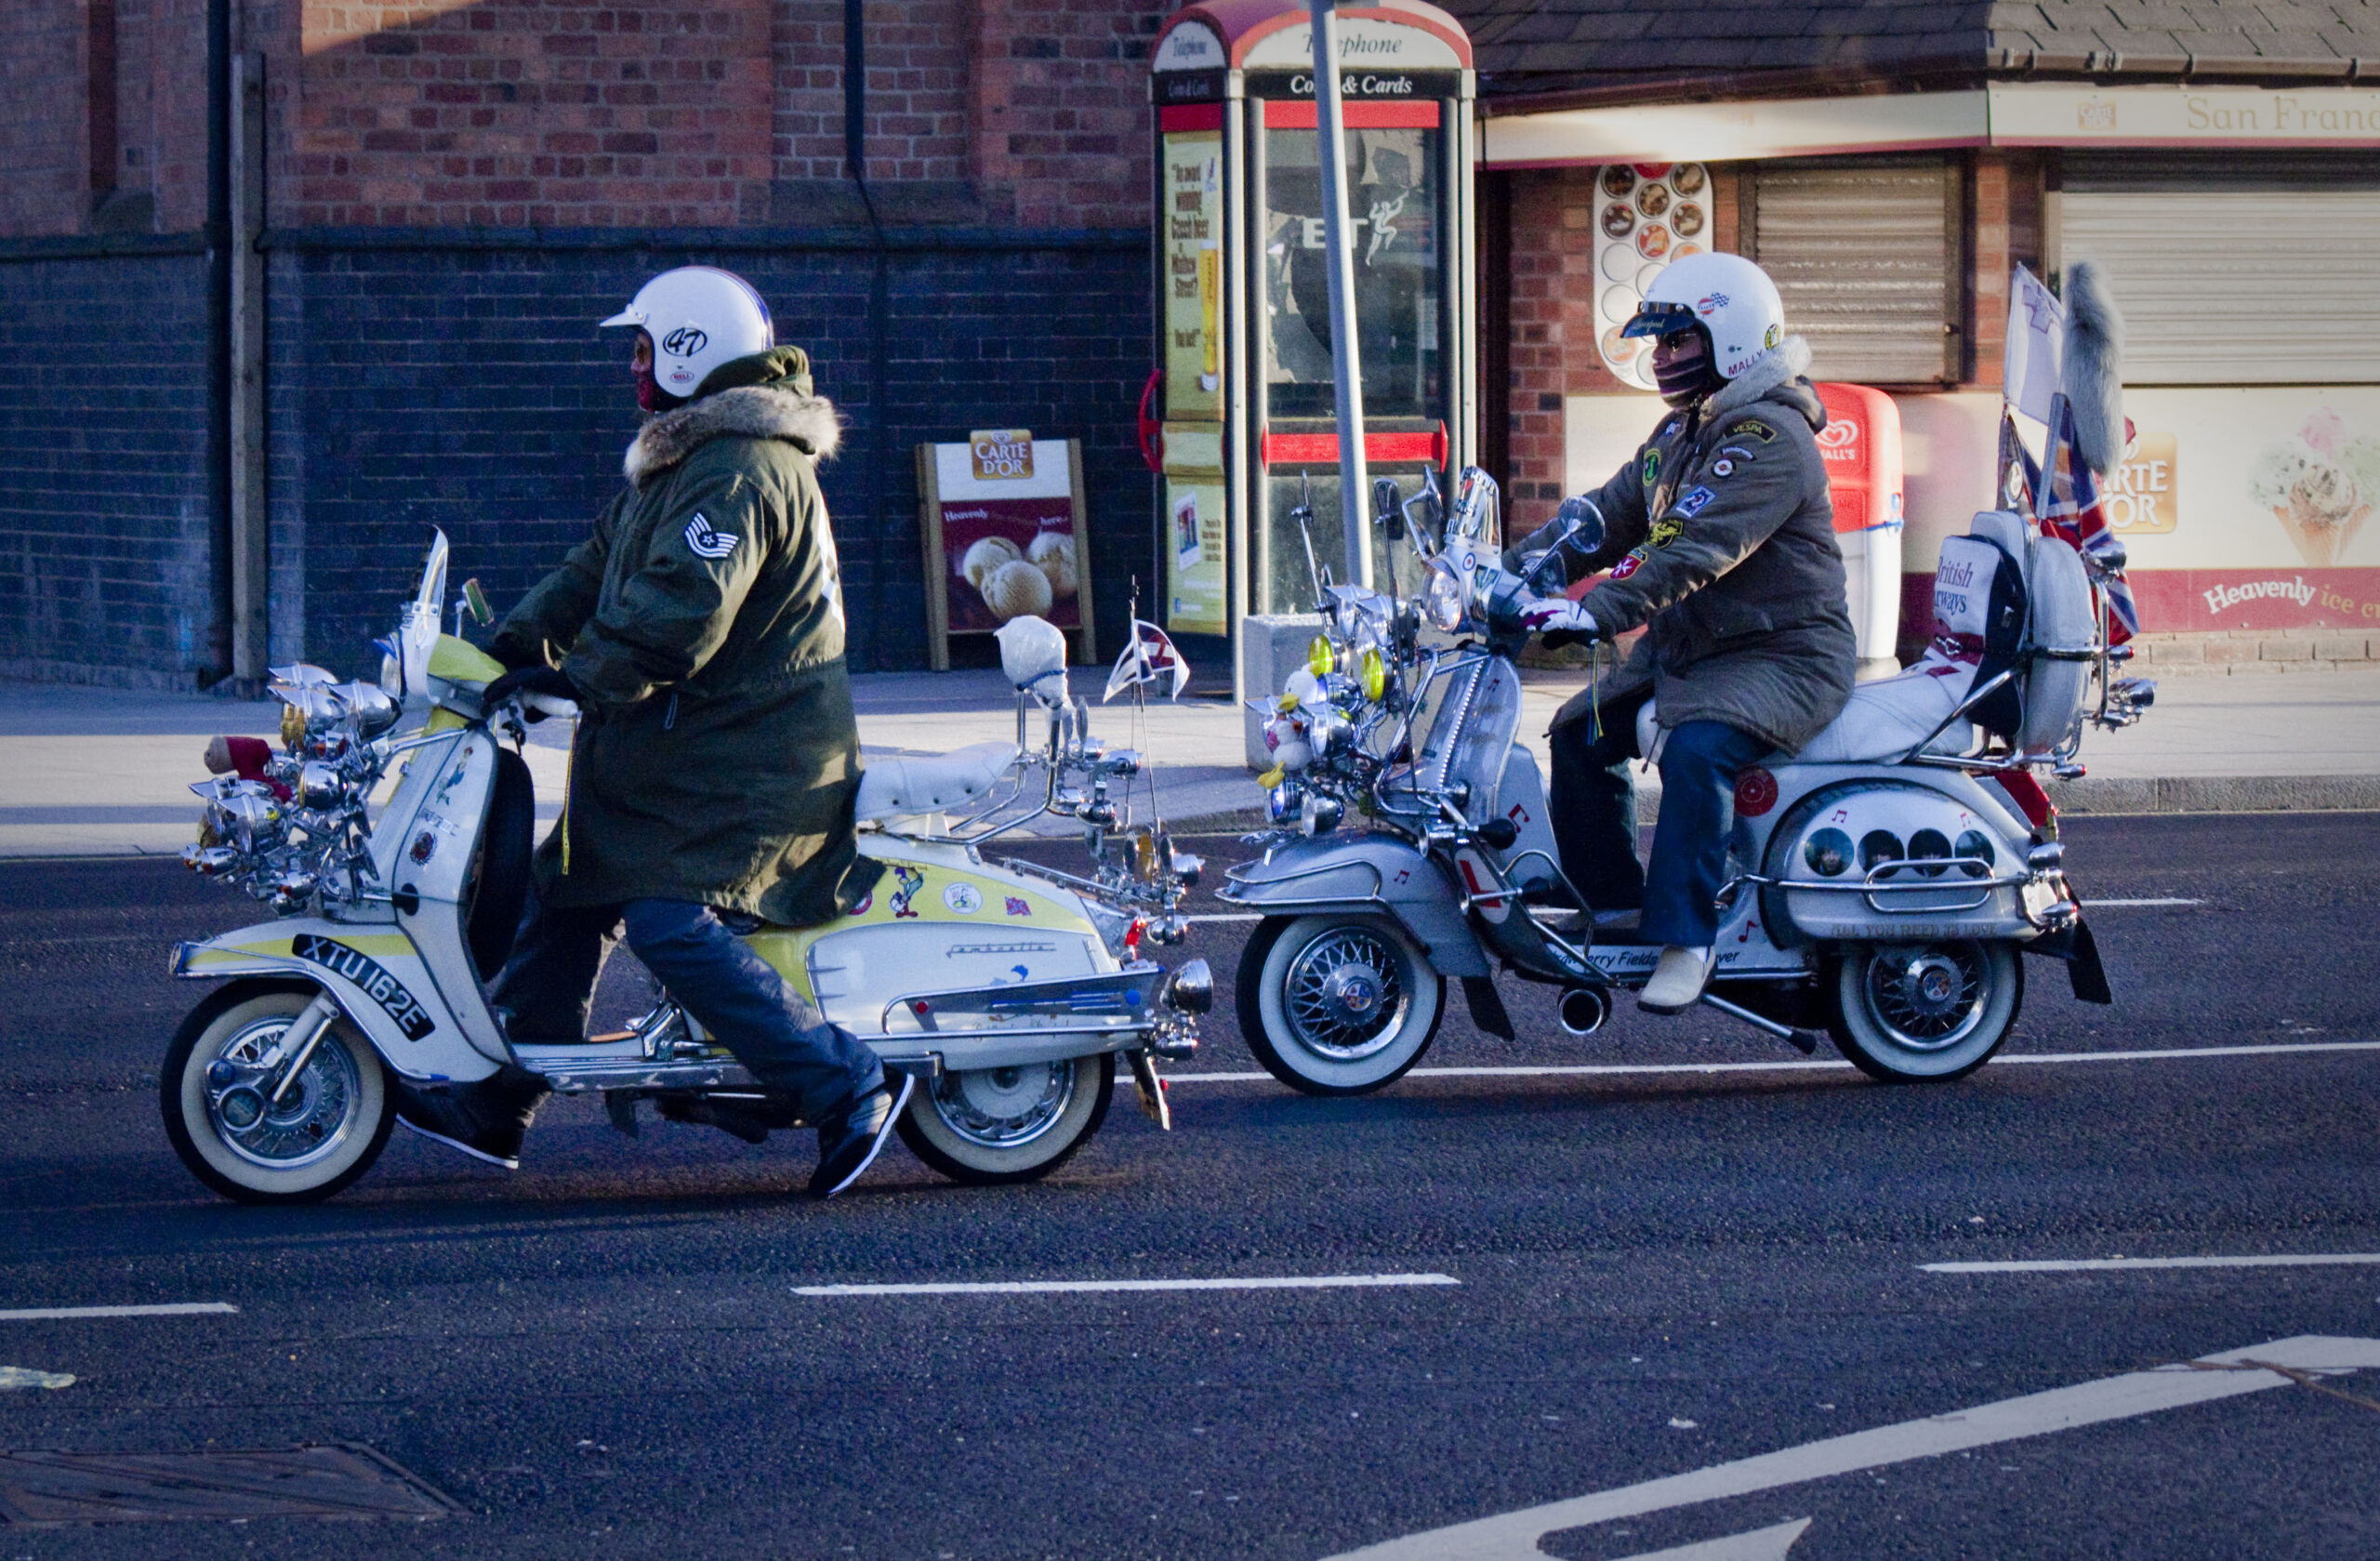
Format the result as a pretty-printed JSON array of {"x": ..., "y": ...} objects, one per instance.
[
  {"x": 1054, "y": 553},
  {"x": 1016, "y": 589},
  {"x": 2324, "y": 512},
  {"x": 986, "y": 555}
]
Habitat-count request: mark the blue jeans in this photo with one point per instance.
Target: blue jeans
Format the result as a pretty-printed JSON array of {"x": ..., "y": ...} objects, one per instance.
[
  {"x": 1594, "y": 816},
  {"x": 734, "y": 993}
]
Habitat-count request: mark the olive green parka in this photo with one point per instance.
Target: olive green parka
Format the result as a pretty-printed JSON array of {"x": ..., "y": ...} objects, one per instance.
[
  {"x": 1719, "y": 539},
  {"x": 718, "y": 756}
]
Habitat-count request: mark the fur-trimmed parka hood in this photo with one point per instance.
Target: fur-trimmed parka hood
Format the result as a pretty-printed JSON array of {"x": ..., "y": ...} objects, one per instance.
[
  {"x": 1781, "y": 374},
  {"x": 767, "y": 395}
]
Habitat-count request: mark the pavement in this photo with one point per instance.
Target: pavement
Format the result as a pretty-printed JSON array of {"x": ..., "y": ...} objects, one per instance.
[
  {"x": 99, "y": 772},
  {"x": 1672, "y": 1290}
]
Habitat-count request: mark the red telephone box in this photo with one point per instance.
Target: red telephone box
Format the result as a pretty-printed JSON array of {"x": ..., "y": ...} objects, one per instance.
[{"x": 1861, "y": 447}]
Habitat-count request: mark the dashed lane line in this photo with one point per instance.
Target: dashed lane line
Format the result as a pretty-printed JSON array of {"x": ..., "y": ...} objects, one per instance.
[
  {"x": 2093, "y": 905},
  {"x": 1061, "y": 1287},
  {"x": 164, "y": 1309},
  {"x": 1786, "y": 1065},
  {"x": 2087, "y": 1265}
]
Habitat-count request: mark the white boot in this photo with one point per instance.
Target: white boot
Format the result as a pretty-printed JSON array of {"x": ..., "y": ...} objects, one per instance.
[{"x": 1677, "y": 981}]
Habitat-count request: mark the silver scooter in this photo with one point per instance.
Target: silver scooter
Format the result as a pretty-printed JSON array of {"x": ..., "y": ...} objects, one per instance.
[
  {"x": 1010, "y": 989},
  {"x": 1881, "y": 884}
]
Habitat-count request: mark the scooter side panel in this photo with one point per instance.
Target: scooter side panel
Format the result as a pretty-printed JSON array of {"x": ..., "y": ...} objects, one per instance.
[
  {"x": 377, "y": 978},
  {"x": 1901, "y": 802},
  {"x": 1364, "y": 872}
]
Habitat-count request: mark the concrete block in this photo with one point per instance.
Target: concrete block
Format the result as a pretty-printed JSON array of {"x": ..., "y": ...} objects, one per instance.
[
  {"x": 2174, "y": 652},
  {"x": 2285, "y": 650},
  {"x": 1271, "y": 646},
  {"x": 2227, "y": 651},
  {"x": 2339, "y": 647}
]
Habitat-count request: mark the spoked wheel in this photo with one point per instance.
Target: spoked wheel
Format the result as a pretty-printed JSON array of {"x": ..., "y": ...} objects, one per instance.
[
  {"x": 1337, "y": 1005},
  {"x": 324, "y": 1133},
  {"x": 988, "y": 1126},
  {"x": 1934, "y": 1010}
]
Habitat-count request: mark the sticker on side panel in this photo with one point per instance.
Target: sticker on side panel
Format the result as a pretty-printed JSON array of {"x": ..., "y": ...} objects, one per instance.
[
  {"x": 365, "y": 973},
  {"x": 964, "y": 898},
  {"x": 911, "y": 880}
]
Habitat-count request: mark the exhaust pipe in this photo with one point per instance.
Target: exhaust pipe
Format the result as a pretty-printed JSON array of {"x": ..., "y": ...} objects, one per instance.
[{"x": 1584, "y": 1010}]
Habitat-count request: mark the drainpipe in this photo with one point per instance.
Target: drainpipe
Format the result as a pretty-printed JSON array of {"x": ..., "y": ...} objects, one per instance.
[
  {"x": 217, "y": 662},
  {"x": 880, "y": 432}
]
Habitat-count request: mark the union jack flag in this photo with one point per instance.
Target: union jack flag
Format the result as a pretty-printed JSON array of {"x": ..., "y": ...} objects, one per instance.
[{"x": 2070, "y": 506}]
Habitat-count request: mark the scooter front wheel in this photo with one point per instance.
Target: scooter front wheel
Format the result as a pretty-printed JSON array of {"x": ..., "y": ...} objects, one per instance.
[
  {"x": 995, "y": 1125},
  {"x": 324, "y": 1132},
  {"x": 1930, "y": 1011},
  {"x": 1337, "y": 1004}
]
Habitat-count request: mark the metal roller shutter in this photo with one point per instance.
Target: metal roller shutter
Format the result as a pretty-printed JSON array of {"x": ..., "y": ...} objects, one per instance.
[
  {"x": 2244, "y": 273},
  {"x": 1867, "y": 257}
]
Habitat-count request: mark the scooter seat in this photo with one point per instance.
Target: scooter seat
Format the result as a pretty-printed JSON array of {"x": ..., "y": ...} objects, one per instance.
[
  {"x": 1885, "y": 719},
  {"x": 903, "y": 788}
]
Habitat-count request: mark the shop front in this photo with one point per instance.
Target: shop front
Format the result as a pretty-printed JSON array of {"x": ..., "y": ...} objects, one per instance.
[{"x": 2235, "y": 224}]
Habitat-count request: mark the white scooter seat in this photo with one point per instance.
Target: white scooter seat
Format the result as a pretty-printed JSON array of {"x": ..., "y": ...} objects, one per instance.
[
  {"x": 906, "y": 787},
  {"x": 1885, "y": 719}
]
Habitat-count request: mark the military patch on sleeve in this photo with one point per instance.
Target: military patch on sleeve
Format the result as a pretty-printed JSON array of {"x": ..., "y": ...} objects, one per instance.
[
  {"x": 1665, "y": 532},
  {"x": 1693, "y": 501},
  {"x": 1652, "y": 468},
  {"x": 705, "y": 541},
  {"x": 1751, "y": 428},
  {"x": 1736, "y": 452},
  {"x": 1628, "y": 565},
  {"x": 1724, "y": 465}
]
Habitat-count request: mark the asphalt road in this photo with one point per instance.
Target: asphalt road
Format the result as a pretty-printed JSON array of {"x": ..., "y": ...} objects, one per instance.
[{"x": 1654, "y": 1272}]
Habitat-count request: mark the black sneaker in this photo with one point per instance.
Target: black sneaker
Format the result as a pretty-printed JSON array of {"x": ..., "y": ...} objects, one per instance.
[
  {"x": 848, "y": 1143},
  {"x": 485, "y": 1120}
]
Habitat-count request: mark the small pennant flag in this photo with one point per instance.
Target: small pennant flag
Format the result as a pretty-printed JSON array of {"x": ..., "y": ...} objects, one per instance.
[{"x": 1149, "y": 658}]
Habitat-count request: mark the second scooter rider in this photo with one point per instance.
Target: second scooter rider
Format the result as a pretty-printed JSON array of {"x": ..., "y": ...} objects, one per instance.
[
  {"x": 1719, "y": 540},
  {"x": 700, "y": 628}
]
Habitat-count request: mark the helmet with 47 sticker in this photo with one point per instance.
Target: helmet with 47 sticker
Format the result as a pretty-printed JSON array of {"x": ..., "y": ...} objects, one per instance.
[{"x": 1732, "y": 299}]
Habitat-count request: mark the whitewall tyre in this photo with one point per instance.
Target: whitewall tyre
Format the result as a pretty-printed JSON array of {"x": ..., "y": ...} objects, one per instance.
[
  {"x": 1337, "y": 1004},
  {"x": 1930, "y": 1011},
  {"x": 989, "y": 1125},
  {"x": 327, "y": 1129}
]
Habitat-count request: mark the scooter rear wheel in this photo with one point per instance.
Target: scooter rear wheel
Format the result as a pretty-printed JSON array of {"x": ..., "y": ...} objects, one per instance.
[
  {"x": 326, "y": 1132},
  {"x": 1925, "y": 1013},
  {"x": 986, "y": 1127},
  {"x": 1337, "y": 1004}
]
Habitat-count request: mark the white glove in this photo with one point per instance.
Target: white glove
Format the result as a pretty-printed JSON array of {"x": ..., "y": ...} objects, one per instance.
[{"x": 1559, "y": 614}]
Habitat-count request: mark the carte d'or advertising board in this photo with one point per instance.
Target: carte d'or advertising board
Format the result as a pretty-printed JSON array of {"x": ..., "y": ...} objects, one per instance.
[
  {"x": 1001, "y": 520},
  {"x": 2241, "y": 508}
]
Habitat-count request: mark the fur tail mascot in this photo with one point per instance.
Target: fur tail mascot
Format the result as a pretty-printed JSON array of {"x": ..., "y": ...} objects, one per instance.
[{"x": 2088, "y": 435}]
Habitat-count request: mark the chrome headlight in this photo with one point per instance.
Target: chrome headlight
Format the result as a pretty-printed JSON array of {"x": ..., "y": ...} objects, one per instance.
[
  {"x": 319, "y": 785},
  {"x": 374, "y": 710},
  {"x": 1443, "y": 597},
  {"x": 1191, "y": 989}
]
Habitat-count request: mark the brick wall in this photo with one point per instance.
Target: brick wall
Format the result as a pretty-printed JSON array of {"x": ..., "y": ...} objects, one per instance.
[
  {"x": 1060, "y": 109},
  {"x": 470, "y": 389},
  {"x": 104, "y": 533},
  {"x": 44, "y": 127},
  {"x": 1554, "y": 326}
]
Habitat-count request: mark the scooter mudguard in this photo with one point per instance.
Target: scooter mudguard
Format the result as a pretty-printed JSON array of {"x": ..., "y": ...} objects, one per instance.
[
  {"x": 2074, "y": 944},
  {"x": 1363, "y": 872},
  {"x": 374, "y": 975}
]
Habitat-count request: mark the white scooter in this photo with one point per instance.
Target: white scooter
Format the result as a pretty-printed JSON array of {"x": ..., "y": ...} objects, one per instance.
[
  {"x": 1009, "y": 989},
  {"x": 1883, "y": 881}
]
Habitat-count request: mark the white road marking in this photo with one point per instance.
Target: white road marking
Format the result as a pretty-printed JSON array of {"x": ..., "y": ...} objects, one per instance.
[
  {"x": 14, "y": 1377},
  {"x": 2085, "y": 1266},
  {"x": 1048, "y": 1287},
  {"x": 167, "y": 1309},
  {"x": 1225, "y": 916},
  {"x": 1760, "y": 1545},
  {"x": 2051, "y": 1059},
  {"x": 1513, "y": 1536},
  {"x": 2133, "y": 904}
]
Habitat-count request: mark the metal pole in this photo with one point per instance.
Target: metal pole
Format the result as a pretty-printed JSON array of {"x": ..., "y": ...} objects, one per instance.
[
  {"x": 217, "y": 658},
  {"x": 1346, "y": 363}
]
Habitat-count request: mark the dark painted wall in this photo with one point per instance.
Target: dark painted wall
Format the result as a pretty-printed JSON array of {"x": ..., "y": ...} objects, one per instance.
[
  {"x": 104, "y": 526},
  {"x": 462, "y": 383}
]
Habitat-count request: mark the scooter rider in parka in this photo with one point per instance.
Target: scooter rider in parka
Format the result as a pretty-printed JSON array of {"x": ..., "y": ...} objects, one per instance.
[
  {"x": 700, "y": 630},
  {"x": 1719, "y": 540}
]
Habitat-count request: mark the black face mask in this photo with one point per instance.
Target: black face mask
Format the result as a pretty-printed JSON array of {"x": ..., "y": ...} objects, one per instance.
[{"x": 1691, "y": 373}]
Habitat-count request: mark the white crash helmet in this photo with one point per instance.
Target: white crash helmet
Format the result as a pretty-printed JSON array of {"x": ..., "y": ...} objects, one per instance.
[
  {"x": 1728, "y": 296},
  {"x": 700, "y": 317}
]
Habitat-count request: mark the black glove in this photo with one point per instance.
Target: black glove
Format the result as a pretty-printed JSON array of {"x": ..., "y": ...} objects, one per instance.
[{"x": 547, "y": 680}]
